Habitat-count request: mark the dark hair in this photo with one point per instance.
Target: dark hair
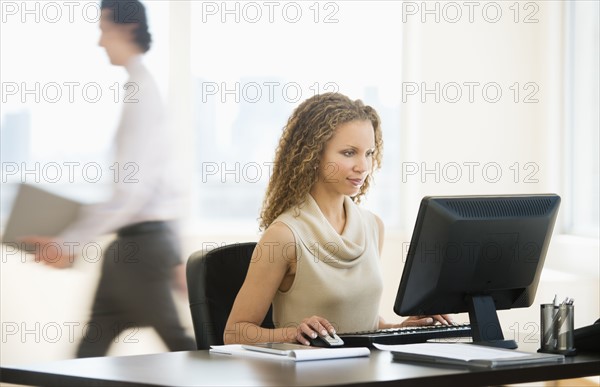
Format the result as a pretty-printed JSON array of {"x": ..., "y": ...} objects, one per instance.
[{"x": 134, "y": 12}]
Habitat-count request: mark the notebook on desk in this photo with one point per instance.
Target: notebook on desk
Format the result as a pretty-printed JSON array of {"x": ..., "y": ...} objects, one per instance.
[{"x": 467, "y": 355}]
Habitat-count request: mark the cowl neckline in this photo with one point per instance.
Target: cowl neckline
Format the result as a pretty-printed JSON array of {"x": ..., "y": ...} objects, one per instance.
[{"x": 324, "y": 242}]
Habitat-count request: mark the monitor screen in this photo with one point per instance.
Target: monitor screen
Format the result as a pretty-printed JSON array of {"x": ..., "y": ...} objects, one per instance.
[{"x": 477, "y": 254}]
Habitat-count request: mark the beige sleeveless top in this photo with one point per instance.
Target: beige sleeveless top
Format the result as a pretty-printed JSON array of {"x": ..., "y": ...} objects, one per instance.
[{"x": 337, "y": 276}]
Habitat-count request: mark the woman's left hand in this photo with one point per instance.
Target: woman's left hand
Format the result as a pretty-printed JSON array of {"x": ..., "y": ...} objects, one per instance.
[{"x": 416, "y": 321}]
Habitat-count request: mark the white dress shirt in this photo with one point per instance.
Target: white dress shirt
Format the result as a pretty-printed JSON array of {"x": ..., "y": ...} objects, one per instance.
[{"x": 146, "y": 188}]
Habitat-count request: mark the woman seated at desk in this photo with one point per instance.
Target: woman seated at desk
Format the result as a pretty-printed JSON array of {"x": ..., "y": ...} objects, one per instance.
[{"x": 317, "y": 261}]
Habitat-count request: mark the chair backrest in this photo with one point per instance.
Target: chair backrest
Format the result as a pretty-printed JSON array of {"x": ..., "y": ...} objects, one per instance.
[{"x": 214, "y": 279}]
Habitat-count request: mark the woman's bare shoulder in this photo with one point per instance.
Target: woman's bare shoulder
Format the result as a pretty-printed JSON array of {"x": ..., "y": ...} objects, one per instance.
[
  {"x": 278, "y": 232},
  {"x": 276, "y": 243}
]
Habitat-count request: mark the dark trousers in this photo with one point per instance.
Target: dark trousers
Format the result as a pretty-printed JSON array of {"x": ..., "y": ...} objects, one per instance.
[{"x": 135, "y": 290}]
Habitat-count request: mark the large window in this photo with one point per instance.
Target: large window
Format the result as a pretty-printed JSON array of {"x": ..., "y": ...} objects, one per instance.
[
  {"x": 61, "y": 98},
  {"x": 252, "y": 63},
  {"x": 582, "y": 115},
  {"x": 247, "y": 66}
]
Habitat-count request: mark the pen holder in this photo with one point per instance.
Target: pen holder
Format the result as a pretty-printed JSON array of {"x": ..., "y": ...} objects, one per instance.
[{"x": 557, "y": 323}]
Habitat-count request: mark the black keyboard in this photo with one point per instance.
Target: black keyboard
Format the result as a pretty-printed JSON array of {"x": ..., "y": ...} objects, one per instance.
[{"x": 406, "y": 335}]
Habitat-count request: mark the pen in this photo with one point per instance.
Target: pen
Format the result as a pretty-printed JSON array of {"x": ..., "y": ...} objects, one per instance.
[
  {"x": 562, "y": 312},
  {"x": 558, "y": 319},
  {"x": 548, "y": 334}
]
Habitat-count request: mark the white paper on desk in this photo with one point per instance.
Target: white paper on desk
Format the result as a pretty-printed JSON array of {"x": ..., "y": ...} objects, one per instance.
[
  {"x": 467, "y": 354},
  {"x": 297, "y": 355}
]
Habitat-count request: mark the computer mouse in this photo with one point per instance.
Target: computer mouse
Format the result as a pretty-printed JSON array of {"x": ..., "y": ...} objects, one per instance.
[{"x": 331, "y": 340}]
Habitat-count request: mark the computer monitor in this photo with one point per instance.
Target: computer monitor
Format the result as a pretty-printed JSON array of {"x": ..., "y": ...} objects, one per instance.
[{"x": 477, "y": 254}]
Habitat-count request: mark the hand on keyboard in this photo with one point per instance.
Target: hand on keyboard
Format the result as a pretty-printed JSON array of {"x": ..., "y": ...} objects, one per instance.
[
  {"x": 407, "y": 335},
  {"x": 417, "y": 321}
]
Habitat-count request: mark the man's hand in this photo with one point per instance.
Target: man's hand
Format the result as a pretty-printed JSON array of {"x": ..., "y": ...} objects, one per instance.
[
  {"x": 50, "y": 251},
  {"x": 180, "y": 280}
]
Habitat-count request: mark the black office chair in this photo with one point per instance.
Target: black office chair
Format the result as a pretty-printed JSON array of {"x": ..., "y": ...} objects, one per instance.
[{"x": 214, "y": 279}]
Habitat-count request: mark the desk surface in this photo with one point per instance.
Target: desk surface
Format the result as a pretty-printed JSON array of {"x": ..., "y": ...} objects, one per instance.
[{"x": 200, "y": 368}]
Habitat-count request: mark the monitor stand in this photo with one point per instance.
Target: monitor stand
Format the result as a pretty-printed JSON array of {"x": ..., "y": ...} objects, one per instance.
[{"x": 485, "y": 326}]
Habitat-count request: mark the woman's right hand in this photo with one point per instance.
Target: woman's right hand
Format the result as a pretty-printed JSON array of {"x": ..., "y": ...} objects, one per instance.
[{"x": 312, "y": 327}]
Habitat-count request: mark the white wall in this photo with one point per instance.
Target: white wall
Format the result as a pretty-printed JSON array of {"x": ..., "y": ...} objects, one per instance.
[{"x": 499, "y": 134}]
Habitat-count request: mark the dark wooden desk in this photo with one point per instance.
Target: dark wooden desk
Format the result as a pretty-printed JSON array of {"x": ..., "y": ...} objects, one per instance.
[{"x": 200, "y": 368}]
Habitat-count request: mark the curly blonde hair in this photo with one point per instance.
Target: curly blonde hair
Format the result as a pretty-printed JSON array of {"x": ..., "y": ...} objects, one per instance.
[{"x": 301, "y": 146}]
